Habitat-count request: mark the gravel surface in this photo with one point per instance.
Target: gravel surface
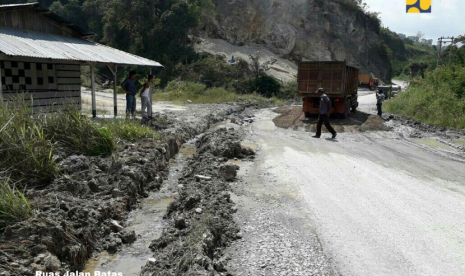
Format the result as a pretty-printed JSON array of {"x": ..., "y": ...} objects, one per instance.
[{"x": 381, "y": 203}]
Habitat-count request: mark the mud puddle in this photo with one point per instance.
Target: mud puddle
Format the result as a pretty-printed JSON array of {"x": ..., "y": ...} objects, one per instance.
[
  {"x": 433, "y": 143},
  {"x": 147, "y": 222}
]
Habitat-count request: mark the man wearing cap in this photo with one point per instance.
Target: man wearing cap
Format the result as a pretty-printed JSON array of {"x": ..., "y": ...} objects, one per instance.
[
  {"x": 325, "y": 110},
  {"x": 129, "y": 86}
]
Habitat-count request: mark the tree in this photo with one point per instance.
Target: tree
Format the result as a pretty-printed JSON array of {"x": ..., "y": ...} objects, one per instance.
[{"x": 418, "y": 68}]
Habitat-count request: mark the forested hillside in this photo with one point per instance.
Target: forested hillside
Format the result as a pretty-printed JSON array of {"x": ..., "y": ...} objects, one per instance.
[{"x": 409, "y": 59}]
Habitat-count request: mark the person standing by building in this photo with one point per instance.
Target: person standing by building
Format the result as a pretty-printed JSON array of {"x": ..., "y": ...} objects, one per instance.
[
  {"x": 145, "y": 98},
  {"x": 379, "y": 102},
  {"x": 129, "y": 86},
  {"x": 325, "y": 111}
]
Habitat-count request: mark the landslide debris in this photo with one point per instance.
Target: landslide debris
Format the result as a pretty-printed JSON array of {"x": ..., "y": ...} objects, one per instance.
[
  {"x": 201, "y": 221},
  {"x": 292, "y": 117}
]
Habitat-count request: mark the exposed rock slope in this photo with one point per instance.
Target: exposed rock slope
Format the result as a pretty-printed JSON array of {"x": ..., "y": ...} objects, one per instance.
[{"x": 302, "y": 29}]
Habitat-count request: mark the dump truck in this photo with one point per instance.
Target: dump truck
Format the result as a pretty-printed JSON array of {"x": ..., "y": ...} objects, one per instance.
[
  {"x": 368, "y": 81},
  {"x": 337, "y": 78}
]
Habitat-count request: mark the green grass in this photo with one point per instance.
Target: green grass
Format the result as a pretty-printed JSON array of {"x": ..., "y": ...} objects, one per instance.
[
  {"x": 78, "y": 134},
  {"x": 14, "y": 206},
  {"x": 189, "y": 92},
  {"x": 129, "y": 130},
  {"x": 28, "y": 141},
  {"x": 439, "y": 99},
  {"x": 25, "y": 152}
]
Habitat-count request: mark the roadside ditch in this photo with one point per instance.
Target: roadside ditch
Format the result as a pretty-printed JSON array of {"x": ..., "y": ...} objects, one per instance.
[{"x": 85, "y": 211}]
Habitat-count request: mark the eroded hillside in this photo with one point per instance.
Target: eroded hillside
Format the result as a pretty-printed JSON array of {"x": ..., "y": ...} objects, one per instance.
[{"x": 302, "y": 29}]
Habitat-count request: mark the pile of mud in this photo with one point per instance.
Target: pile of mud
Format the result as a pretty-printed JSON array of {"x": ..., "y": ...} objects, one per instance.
[
  {"x": 201, "y": 218},
  {"x": 84, "y": 210},
  {"x": 293, "y": 117}
]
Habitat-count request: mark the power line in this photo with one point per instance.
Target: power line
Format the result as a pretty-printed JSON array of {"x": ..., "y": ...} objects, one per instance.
[{"x": 444, "y": 40}]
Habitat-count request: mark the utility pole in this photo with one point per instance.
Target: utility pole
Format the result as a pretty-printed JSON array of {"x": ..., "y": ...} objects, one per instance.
[{"x": 443, "y": 40}]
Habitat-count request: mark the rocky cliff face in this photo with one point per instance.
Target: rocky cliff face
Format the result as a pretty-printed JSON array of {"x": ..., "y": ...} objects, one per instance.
[{"x": 303, "y": 29}]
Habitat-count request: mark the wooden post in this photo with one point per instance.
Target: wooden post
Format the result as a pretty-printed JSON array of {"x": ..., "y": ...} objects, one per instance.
[
  {"x": 114, "y": 71},
  {"x": 94, "y": 103},
  {"x": 150, "y": 91},
  {"x": 1, "y": 88}
]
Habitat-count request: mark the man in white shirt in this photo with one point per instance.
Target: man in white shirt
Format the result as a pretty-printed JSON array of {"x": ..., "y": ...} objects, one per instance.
[{"x": 379, "y": 102}]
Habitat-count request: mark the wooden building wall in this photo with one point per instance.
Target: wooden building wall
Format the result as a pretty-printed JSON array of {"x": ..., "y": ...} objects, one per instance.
[
  {"x": 29, "y": 19},
  {"x": 47, "y": 86}
]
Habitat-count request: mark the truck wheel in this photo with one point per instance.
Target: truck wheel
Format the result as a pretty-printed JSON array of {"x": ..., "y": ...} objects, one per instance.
[
  {"x": 354, "y": 108},
  {"x": 307, "y": 115},
  {"x": 346, "y": 111},
  {"x": 372, "y": 88}
]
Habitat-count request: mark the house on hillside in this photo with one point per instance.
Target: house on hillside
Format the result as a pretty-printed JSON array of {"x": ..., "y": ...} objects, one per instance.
[{"x": 41, "y": 55}]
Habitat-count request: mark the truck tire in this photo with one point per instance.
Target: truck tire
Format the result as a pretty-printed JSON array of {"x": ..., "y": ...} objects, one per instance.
[
  {"x": 346, "y": 111},
  {"x": 308, "y": 115}
]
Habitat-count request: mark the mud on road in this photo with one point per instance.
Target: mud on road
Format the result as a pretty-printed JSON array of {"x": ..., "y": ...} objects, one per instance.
[{"x": 293, "y": 117}]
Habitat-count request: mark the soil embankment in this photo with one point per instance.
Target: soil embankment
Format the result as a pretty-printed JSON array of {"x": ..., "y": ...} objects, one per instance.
[{"x": 84, "y": 210}]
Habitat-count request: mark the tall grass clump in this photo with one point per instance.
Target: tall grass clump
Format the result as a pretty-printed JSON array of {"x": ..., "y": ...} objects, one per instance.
[
  {"x": 25, "y": 152},
  {"x": 78, "y": 134},
  {"x": 439, "y": 99},
  {"x": 130, "y": 130},
  {"x": 14, "y": 206}
]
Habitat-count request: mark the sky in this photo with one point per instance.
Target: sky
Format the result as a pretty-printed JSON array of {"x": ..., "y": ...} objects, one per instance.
[{"x": 446, "y": 19}]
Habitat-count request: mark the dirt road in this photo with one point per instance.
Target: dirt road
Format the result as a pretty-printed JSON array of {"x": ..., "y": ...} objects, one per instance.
[{"x": 380, "y": 204}]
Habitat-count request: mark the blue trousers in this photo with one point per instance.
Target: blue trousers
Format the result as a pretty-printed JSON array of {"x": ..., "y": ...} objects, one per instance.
[
  {"x": 130, "y": 105},
  {"x": 380, "y": 109}
]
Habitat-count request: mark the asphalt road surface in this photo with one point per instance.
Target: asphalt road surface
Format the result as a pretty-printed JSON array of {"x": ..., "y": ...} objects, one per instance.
[{"x": 381, "y": 204}]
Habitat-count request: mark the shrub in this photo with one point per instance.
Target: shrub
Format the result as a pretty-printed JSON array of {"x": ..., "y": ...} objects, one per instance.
[
  {"x": 214, "y": 71},
  {"x": 14, "y": 206},
  {"x": 266, "y": 86},
  {"x": 438, "y": 99},
  {"x": 288, "y": 90}
]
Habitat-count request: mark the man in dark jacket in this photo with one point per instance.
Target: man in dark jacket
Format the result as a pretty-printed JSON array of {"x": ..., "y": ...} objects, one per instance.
[
  {"x": 325, "y": 111},
  {"x": 129, "y": 86}
]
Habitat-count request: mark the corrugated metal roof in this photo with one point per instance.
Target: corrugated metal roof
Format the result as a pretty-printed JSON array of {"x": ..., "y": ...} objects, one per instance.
[
  {"x": 23, "y": 43},
  {"x": 19, "y": 5},
  {"x": 51, "y": 15}
]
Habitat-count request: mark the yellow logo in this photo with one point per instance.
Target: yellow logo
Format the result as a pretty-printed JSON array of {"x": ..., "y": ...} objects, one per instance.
[{"x": 418, "y": 6}]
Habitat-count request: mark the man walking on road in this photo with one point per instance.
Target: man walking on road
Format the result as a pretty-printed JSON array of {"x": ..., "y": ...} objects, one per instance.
[
  {"x": 129, "y": 86},
  {"x": 325, "y": 111},
  {"x": 379, "y": 102}
]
